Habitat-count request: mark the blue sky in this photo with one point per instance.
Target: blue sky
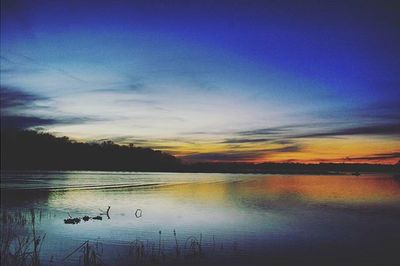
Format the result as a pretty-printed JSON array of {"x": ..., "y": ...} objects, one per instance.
[{"x": 188, "y": 77}]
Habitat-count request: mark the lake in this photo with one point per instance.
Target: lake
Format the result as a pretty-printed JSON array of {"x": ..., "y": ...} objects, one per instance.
[{"x": 221, "y": 219}]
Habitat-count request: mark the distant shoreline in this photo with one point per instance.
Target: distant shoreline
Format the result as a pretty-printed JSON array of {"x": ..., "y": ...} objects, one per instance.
[
  {"x": 31, "y": 150},
  {"x": 201, "y": 172}
]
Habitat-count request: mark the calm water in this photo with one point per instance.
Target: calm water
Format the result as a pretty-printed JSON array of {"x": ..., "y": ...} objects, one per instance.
[{"x": 253, "y": 219}]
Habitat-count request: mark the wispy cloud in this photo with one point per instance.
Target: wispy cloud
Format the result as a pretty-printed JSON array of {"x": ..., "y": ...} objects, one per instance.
[
  {"x": 16, "y": 103},
  {"x": 388, "y": 110},
  {"x": 25, "y": 121},
  {"x": 376, "y": 129},
  {"x": 268, "y": 131},
  {"x": 240, "y": 140},
  {"x": 290, "y": 132},
  {"x": 10, "y": 97},
  {"x": 22, "y": 122},
  {"x": 223, "y": 156},
  {"x": 377, "y": 156},
  {"x": 292, "y": 148},
  {"x": 384, "y": 111},
  {"x": 23, "y": 63},
  {"x": 241, "y": 156}
]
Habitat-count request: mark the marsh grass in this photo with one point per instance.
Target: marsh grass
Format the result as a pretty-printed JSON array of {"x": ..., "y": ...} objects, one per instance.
[
  {"x": 151, "y": 253},
  {"x": 20, "y": 245},
  {"x": 91, "y": 255},
  {"x": 142, "y": 252}
]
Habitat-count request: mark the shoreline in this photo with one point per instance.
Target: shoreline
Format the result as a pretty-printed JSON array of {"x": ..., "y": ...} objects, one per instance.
[{"x": 277, "y": 172}]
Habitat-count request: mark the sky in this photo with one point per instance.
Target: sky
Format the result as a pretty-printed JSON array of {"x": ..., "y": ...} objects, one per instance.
[{"x": 226, "y": 81}]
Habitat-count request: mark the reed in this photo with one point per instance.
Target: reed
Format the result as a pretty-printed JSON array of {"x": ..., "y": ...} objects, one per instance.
[
  {"x": 16, "y": 248},
  {"x": 21, "y": 245}
]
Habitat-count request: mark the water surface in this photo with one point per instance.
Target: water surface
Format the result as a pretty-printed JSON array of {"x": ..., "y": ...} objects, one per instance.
[{"x": 242, "y": 218}]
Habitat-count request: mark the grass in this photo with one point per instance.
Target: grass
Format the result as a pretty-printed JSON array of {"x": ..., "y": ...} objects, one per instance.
[
  {"x": 143, "y": 252},
  {"x": 148, "y": 253},
  {"x": 20, "y": 245}
]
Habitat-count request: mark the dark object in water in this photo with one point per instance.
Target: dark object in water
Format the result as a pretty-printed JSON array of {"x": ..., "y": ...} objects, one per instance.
[
  {"x": 97, "y": 218},
  {"x": 138, "y": 213},
  {"x": 356, "y": 173},
  {"x": 86, "y": 218},
  {"x": 72, "y": 221},
  {"x": 106, "y": 213}
]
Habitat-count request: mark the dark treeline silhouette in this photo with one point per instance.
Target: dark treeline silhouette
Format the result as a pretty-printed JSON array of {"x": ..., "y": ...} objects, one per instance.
[{"x": 31, "y": 150}]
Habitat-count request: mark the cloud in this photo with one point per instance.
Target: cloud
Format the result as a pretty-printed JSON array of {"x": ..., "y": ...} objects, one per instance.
[
  {"x": 388, "y": 110},
  {"x": 283, "y": 141},
  {"x": 377, "y": 129},
  {"x": 122, "y": 87},
  {"x": 378, "y": 156},
  {"x": 285, "y": 130},
  {"x": 22, "y": 122},
  {"x": 135, "y": 87},
  {"x": 292, "y": 148},
  {"x": 384, "y": 111},
  {"x": 22, "y": 64},
  {"x": 15, "y": 103},
  {"x": 10, "y": 97},
  {"x": 238, "y": 141},
  {"x": 240, "y": 156},
  {"x": 223, "y": 156},
  {"x": 286, "y": 134},
  {"x": 267, "y": 131},
  {"x": 257, "y": 140}
]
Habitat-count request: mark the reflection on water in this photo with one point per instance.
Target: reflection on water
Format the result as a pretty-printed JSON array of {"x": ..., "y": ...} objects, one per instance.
[
  {"x": 267, "y": 217},
  {"x": 333, "y": 189}
]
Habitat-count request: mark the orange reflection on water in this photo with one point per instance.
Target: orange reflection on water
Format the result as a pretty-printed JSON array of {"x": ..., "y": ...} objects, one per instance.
[
  {"x": 340, "y": 189},
  {"x": 285, "y": 189},
  {"x": 214, "y": 191}
]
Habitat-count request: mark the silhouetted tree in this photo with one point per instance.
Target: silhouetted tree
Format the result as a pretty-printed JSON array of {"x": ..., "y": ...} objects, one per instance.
[{"x": 33, "y": 150}]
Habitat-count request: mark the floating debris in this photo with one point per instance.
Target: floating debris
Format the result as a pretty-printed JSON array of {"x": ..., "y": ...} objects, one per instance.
[
  {"x": 72, "y": 221},
  {"x": 138, "y": 213},
  {"x": 106, "y": 212},
  {"x": 86, "y": 218}
]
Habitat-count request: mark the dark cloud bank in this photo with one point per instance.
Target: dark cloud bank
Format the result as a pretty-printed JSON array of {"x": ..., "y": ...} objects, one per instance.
[{"x": 14, "y": 106}]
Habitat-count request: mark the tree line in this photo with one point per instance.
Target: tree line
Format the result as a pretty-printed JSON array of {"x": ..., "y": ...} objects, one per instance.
[{"x": 32, "y": 150}]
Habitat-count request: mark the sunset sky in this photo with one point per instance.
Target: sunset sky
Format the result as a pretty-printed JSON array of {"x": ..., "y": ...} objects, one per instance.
[{"x": 304, "y": 81}]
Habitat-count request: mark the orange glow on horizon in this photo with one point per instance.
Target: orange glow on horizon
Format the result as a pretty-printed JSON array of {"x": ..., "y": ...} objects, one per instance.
[
  {"x": 343, "y": 150},
  {"x": 354, "y": 149}
]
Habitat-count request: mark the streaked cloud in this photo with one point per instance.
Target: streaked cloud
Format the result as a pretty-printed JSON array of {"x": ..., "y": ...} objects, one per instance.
[
  {"x": 378, "y": 156},
  {"x": 10, "y": 97},
  {"x": 377, "y": 129},
  {"x": 235, "y": 141},
  {"x": 240, "y": 156},
  {"x": 18, "y": 107}
]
